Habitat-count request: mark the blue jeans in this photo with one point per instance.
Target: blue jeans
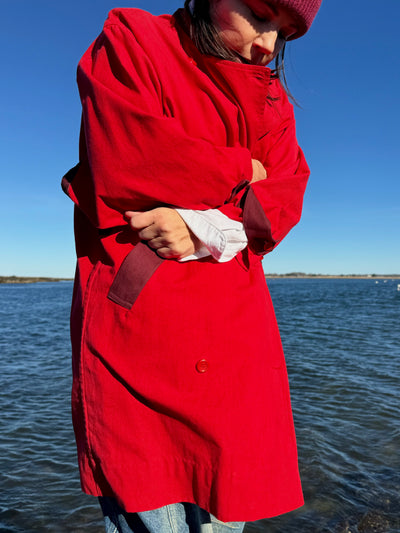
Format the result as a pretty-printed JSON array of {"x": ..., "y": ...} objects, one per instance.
[{"x": 175, "y": 518}]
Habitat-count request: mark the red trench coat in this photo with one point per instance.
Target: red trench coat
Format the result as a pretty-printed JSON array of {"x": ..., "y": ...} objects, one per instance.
[{"x": 180, "y": 390}]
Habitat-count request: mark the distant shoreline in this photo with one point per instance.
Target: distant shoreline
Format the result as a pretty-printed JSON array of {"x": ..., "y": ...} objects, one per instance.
[
  {"x": 28, "y": 279},
  {"x": 301, "y": 275},
  {"x": 294, "y": 275}
]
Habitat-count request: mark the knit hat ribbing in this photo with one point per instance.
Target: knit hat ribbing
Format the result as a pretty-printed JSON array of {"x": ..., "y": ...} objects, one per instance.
[{"x": 304, "y": 12}]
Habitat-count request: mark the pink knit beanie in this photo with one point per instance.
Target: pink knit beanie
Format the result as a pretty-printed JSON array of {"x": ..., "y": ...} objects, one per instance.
[{"x": 304, "y": 12}]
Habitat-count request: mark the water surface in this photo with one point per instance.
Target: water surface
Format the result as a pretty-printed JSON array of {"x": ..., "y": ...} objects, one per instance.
[{"x": 342, "y": 345}]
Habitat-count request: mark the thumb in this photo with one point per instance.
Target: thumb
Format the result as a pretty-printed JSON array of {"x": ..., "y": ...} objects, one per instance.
[
  {"x": 129, "y": 214},
  {"x": 137, "y": 219}
]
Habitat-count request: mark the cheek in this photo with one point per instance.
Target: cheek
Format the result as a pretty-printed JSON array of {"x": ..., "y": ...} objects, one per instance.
[
  {"x": 225, "y": 24},
  {"x": 231, "y": 40},
  {"x": 236, "y": 41},
  {"x": 237, "y": 30}
]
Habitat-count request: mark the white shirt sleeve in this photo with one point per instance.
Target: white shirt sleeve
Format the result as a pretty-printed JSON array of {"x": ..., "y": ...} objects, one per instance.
[{"x": 221, "y": 236}]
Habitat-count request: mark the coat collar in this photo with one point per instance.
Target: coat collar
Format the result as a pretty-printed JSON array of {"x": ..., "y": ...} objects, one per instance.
[{"x": 245, "y": 85}]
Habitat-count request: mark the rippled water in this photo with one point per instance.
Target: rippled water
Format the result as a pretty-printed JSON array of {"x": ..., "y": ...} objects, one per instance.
[{"x": 342, "y": 345}]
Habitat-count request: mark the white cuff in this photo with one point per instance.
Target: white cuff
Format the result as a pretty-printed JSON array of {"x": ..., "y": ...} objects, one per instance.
[{"x": 222, "y": 237}]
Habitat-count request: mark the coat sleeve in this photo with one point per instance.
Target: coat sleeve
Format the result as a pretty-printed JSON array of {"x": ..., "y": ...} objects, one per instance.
[
  {"x": 270, "y": 208},
  {"x": 132, "y": 156}
]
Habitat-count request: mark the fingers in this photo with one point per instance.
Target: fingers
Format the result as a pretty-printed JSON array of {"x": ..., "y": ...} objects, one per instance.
[
  {"x": 164, "y": 218},
  {"x": 149, "y": 233},
  {"x": 171, "y": 248},
  {"x": 167, "y": 253},
  {"x": 164, "y": 230},
  {"x": 259, "y": 172},
  {"x": 159, "y": 243},
  {"x": 138, "y": 220},
  {"x": 140, "y": 224}
]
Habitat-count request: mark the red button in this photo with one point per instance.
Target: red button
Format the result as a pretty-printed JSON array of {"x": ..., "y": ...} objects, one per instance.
[{"x": 202, "y": 366}]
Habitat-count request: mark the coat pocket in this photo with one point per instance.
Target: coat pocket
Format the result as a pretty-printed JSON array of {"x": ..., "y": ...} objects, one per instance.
[{"x": 135, "y": 271}]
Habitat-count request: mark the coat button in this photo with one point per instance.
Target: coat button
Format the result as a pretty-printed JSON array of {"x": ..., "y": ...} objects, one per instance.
[{"x": 202, "y": 366}]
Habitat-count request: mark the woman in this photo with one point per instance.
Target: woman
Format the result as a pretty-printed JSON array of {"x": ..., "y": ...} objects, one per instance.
[{"x": 189, "y": 173}]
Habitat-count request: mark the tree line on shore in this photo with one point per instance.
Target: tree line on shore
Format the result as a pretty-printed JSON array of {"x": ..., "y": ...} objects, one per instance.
[{"x": 39, "y": 279}]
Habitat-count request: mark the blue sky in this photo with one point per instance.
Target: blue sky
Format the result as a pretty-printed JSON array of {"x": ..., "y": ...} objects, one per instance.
[{"x": 345, "y": 73}]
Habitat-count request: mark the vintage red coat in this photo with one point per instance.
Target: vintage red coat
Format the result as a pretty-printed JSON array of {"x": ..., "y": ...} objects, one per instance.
[{"x": 180, "y": 390}]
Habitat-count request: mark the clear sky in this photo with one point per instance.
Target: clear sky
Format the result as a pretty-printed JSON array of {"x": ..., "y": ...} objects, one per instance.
[{"x": 345, "y": 73}]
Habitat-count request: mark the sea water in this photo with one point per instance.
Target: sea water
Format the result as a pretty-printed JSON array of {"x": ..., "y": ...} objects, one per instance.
[{"x": 342, "y": 344}]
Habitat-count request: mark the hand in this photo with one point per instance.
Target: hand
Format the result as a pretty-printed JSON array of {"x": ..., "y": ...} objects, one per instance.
[
  {"x": 259, "y": 172},
  {"x": 165, "y": 231}
]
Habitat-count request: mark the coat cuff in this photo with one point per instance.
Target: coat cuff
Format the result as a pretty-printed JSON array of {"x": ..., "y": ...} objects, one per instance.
[{"x": 256, "y": 224}]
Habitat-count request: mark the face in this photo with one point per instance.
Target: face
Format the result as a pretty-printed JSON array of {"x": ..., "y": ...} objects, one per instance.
[{"x": 255, "y": 30}]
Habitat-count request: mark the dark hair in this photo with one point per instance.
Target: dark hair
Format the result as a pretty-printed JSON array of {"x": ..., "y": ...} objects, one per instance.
[{"x": 206, "y": 38}]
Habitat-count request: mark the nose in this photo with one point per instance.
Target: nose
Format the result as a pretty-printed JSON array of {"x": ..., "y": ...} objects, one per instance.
[{"x": 265, "y": 42}]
